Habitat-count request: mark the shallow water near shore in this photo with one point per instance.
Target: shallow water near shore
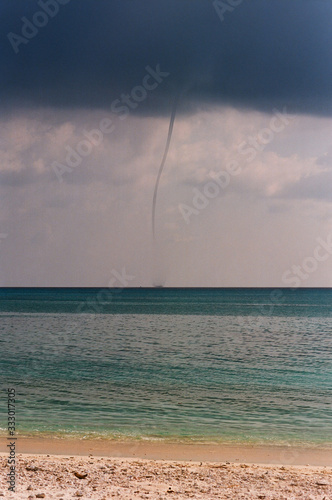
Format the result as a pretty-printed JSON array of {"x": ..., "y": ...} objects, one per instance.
[{"x": 187, "y": 365}]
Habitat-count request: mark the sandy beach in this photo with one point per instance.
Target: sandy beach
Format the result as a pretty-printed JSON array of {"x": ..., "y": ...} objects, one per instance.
[{"x": 122, "y": 472}]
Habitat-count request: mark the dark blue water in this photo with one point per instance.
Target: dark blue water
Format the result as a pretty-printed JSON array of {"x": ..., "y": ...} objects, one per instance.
[{"x": 233, "y": 365}]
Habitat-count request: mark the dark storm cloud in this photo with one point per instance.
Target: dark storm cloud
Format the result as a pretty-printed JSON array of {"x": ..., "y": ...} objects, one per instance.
[{"x": 265, "y": 53}]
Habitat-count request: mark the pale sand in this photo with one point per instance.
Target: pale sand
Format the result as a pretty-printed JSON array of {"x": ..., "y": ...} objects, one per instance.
[{"x": 166, "y": 472}]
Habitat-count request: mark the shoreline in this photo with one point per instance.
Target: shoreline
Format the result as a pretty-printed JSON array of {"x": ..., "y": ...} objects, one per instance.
[{"x": 193, "y": 452}]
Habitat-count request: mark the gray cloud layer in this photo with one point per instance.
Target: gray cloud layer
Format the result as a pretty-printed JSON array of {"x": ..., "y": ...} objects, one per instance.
[{"x": 264, "y": 53}]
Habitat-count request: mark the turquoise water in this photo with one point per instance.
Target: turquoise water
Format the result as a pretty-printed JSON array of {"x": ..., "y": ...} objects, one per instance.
[{"x": 206, "y": 365}]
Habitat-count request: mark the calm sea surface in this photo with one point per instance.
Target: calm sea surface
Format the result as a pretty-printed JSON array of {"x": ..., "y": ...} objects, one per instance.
[{"x": 208, "y": 365}]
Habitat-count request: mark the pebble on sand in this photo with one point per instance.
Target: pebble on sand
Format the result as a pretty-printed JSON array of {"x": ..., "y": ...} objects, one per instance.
[{"x": 79, "y": 475}]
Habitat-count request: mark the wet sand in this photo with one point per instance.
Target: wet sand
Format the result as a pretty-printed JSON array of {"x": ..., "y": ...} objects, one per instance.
[{"x": 161, "y": 450}]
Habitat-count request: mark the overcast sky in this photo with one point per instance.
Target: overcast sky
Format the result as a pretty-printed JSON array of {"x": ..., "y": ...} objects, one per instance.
[{"x": 245, "y": 195}]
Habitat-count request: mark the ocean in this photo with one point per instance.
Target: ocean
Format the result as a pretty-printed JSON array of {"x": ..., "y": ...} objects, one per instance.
[{"x": 192, "y": 365}]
